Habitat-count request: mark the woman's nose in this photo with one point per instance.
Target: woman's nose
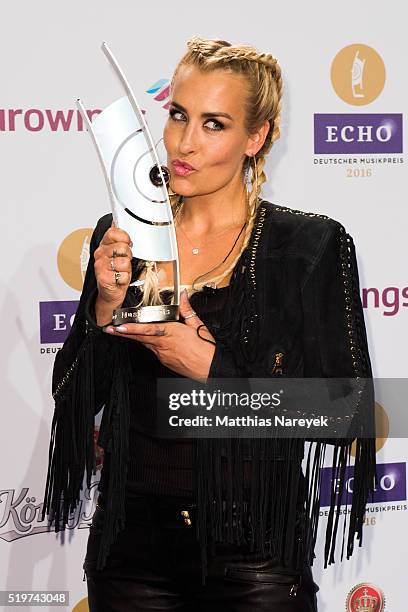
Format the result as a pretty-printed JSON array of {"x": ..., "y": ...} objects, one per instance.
[{"x": 188, "y": 141}]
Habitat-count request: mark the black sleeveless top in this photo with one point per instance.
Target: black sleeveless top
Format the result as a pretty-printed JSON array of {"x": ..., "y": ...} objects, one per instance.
[{"x": 159, "y": 466}]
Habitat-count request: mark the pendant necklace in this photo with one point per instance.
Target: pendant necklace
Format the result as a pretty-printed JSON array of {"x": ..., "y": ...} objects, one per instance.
[{"x": 195, "y": 249}]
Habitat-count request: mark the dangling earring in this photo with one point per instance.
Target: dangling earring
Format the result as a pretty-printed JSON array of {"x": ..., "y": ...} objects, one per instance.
[
  {"x": 255, "y": 173},
  {"x": 247, "y": 176}
]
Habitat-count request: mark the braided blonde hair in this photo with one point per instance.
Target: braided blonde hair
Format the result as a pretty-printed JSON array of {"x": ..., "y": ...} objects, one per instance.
[{"x": 263, "y": 102}]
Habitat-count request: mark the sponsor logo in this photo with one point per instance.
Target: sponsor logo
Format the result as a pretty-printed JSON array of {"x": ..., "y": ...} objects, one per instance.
[
  {"x": 20, "y": 515},
  {"x": 389, "y": 297},
  {"x": 81, "y": 606},
  {"x": 160, "y": 91},
  {"x": 356, "y": 140},
  {"x": 64, "y": 119},
  {"x": 56, "y": 320},
  {"x": 56, "y": 317},
  {"x": 358, "y": 74},
  {"x": 358, "y": 133},
  {"x": 73, "y": 257},
  {"x": 382, "y": 428},
  {"x": 365, "y": 597},
  {"x": 391, "y": 484},
  {"x": 43, "y": 119}
]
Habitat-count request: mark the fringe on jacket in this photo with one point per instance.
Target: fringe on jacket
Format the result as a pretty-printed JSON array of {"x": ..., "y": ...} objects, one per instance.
[{"x": 279, "y": 526}]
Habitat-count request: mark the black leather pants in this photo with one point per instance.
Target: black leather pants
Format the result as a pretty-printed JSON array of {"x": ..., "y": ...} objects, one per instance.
[{"x": 154, "y": 564}]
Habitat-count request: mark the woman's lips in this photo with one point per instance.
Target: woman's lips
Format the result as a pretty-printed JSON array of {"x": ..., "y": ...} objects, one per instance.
[{"x": 182, "y": 169}]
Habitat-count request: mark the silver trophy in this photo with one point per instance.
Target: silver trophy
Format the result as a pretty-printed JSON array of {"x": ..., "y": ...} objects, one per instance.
[{"x": 136, "y": 183}]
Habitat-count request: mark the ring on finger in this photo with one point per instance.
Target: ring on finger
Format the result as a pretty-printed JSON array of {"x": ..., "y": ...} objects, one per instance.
[
  {"x": 116, "y": 254},
  {"x": 193, "y": 314},
  {"x": 118, "y": 276}
]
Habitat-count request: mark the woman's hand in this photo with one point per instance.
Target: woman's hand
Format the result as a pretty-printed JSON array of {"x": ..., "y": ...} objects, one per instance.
[
  {"x": 175, "y": 344},
  {"x": 113, "y": 271}
]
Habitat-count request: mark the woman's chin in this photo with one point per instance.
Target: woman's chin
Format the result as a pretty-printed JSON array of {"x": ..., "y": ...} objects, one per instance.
[{"x": 183, "y": 189}]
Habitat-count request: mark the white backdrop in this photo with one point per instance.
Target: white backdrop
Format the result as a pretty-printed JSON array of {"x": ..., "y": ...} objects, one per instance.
[{"x": 53, "y": 192}]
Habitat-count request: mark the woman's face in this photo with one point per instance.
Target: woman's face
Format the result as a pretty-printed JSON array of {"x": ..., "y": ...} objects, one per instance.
[{"x": 205, "y": 130}]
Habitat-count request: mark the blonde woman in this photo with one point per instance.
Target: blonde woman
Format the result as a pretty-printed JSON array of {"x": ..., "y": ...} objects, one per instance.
[{"x": 211, "y": 524}]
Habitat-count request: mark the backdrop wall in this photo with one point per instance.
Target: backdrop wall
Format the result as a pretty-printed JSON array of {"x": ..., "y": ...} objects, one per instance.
[{"x": 342, "y": 153}]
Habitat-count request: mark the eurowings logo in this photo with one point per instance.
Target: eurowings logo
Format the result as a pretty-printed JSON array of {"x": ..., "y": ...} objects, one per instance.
[
  {"x": 63, "y": 119},
  {"x": 161, "y": 91}
]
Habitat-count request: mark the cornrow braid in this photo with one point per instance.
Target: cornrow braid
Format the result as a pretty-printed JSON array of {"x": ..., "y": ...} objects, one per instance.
[
  {"x": 263, "y": 103},
  {"x": 220, "y": 50}
]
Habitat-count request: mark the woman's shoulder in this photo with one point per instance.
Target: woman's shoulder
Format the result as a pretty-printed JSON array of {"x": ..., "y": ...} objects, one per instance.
[{"x": 297, "y": 231}]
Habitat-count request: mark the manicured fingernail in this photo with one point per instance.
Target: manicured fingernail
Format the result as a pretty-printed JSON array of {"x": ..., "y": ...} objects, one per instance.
[
  {"x": 109, "y": 329},
  {"x": 122, "y": 329}
]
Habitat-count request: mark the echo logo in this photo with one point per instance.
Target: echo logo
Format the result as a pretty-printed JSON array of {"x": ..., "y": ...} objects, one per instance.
[
  {"x": 358, "y": 74},
  {"x": 56, "y": 319},
  {"x": 358, "y": 78},
  {"x": 391, "y": 484},
  {"x": 73, "y": 257},
  {"x": 358, "y": 133},
  {"x": 81, "y": 606}
]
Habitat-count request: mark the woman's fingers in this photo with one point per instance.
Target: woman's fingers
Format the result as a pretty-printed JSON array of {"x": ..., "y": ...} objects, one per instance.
[
  {"x": 114, "y": 234},
  {"x": 145, "y": 329},
  {"x": 118, "y": 264},
  {"x": 114, "y": 250},
  {"x": 121, "y": 278}
]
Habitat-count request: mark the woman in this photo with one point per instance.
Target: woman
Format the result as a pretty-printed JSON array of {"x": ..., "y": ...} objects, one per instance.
[{"x": 211, "y": 524}]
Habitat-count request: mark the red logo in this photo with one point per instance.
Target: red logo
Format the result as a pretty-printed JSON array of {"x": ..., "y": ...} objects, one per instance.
[{"x": 365, "y": 597}]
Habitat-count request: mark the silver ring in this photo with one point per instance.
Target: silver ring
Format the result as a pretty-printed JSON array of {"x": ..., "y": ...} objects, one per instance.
[
  {"x": 112, "y": 265},
  {"x": 193, "y": 314},
  {"x": 117, "y": 277}
]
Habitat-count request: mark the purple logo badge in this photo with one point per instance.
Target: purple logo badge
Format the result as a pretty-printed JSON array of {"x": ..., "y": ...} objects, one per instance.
[
  {"x": 357, "y": 133},
  {"x": 391, "y": 484},
  {"x": 56, "y": 319}
]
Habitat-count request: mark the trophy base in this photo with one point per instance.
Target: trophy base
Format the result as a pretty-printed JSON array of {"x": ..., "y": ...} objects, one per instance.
[{"x": 145, "y": 314}]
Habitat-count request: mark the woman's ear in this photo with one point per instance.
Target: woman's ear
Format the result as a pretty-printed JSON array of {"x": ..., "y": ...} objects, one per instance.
[{"x": 257, "y": 139}]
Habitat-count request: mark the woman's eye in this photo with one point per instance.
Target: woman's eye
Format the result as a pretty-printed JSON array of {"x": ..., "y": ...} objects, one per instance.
[
  {"x": 176, "y": 115},
  {"x": 214, "y": 125}
]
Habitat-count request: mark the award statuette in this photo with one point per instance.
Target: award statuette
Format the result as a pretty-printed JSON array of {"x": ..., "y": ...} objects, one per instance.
[{"x": 136, "y": 184}]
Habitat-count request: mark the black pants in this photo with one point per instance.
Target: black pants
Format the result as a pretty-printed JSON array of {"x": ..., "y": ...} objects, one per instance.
[{"x": 154, "y": 564}]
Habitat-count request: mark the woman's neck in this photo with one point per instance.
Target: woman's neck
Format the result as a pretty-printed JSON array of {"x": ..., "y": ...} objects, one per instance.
[{"x": 213, "y": 212}]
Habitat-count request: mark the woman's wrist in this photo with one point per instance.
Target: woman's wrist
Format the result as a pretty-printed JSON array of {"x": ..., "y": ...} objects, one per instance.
[{"x": 104, "y": 311}]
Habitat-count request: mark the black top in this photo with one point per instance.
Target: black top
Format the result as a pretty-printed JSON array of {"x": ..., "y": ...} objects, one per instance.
[{"x": 158, "y": 466}]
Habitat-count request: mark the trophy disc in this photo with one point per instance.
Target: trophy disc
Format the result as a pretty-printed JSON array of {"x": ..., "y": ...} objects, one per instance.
[{"x": 136, "y": 183}]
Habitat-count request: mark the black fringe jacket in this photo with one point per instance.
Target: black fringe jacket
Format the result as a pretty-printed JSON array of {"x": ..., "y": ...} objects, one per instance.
[{"x": 295, "y": 291}]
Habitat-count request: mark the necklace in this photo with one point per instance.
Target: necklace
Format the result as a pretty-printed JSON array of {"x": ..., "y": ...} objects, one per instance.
[
  {"x": 196, "y": 249},
  {"x": 225, "y": 258}
]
